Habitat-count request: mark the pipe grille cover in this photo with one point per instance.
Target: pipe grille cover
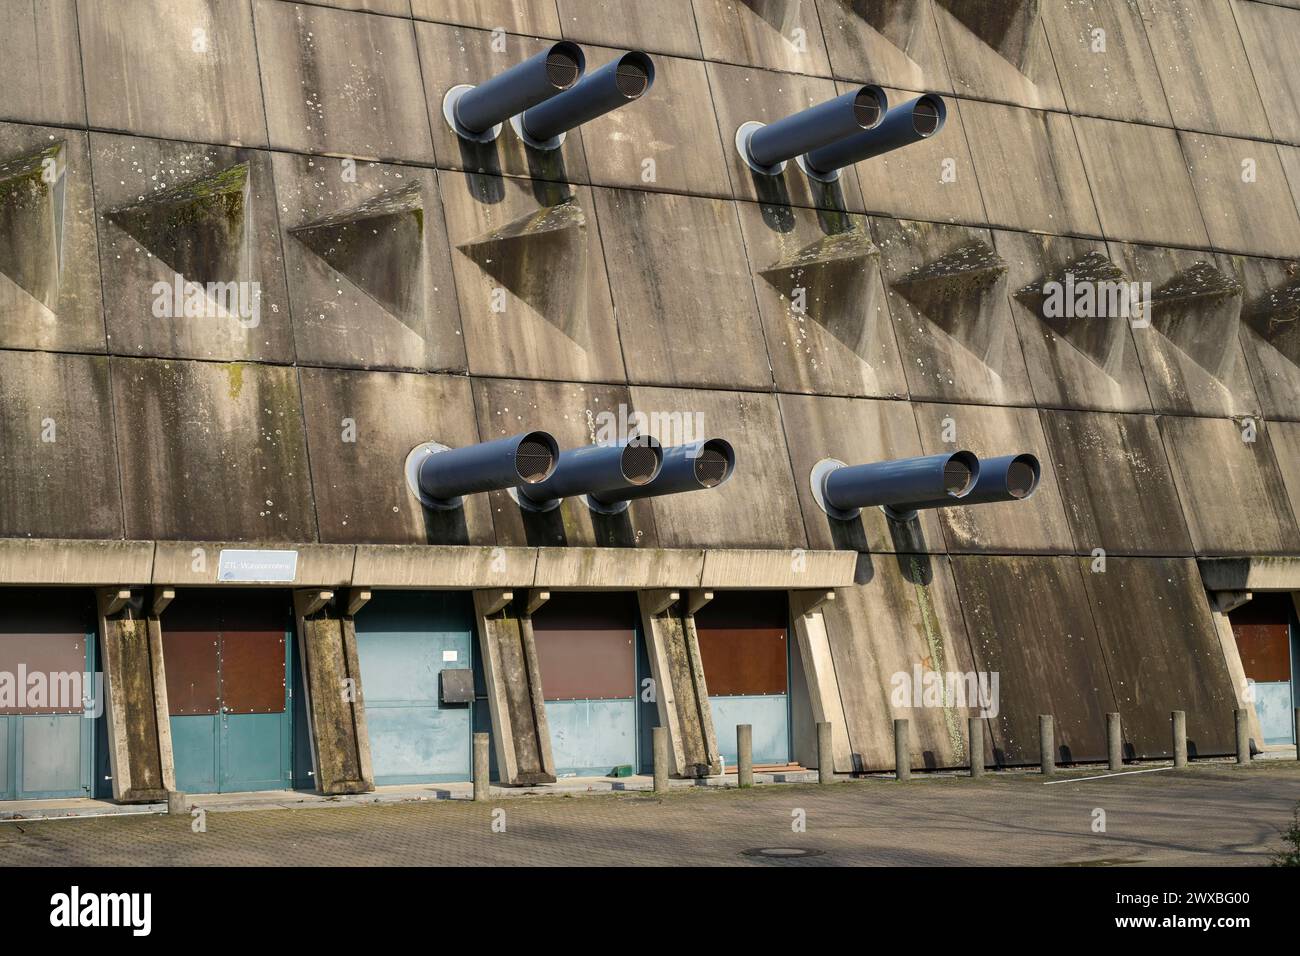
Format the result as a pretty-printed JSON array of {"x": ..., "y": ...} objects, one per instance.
[
  {"x": 631, "y": 78},
  {"x": 561, "y": 69},
  {"x": 1020, "y": 479},
  {"x": 866, "y": 109},
  {"x": 710, "y": 467},
  {"x": 533, "y": 460},
  {"x": 925, "y": 116},
  {"x": 640, "y": 463},
  {"x": 956, "y": 476}
]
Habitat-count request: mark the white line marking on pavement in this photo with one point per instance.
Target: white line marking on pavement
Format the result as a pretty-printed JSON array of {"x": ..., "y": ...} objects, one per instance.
[{"x": 1103, "y": 776}]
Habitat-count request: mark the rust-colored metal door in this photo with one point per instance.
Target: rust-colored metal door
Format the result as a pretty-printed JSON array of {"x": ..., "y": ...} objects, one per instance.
[
  {"x": 1263, "y": 628},
  {"x": 745, "y": 650}
]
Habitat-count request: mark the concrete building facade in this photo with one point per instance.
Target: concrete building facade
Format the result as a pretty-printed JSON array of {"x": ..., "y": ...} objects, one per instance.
[{"x": 247, "y": 267}]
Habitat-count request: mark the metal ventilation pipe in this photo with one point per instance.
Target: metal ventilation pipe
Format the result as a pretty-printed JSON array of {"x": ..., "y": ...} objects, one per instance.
[
  {"x": 899, "y": 487},
  {"x": 905, "y": 124},
  {"x": 615, "y": 84},
  {"x": 699, "y": 465},
  {"x": 440, "y": 475},
  {"x": 477, "y": 112},
  {"x": 766, "y": 148},
  {"x": 1008, "y": 478},
  {"x": 594, "y": 468}
]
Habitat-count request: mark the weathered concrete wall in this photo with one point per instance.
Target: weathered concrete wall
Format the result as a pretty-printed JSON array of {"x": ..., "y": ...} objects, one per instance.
[{"x": 411, "y": 287}]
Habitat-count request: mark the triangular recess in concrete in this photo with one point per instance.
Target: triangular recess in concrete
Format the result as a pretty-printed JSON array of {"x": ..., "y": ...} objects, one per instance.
[
  {"x": 783, "y": 16},
  {"x": 1098, "y": 333},
  {"x": 378, "y": 246},
  {"x": 952, "y": 292},
  {"x": 198, "y": 229},
  {"x": 1276, "y": 317},
  {"x": 900, "y": 23},
  {"x": 31, "y": 222},
  {"x": 839, "y": 292},
  {"x": 541, "y": 257},
  {"x": 1006, "y": 26},
  {"x": 1199, "y": 311}
]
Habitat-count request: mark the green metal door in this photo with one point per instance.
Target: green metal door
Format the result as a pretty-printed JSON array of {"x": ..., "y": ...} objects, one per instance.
[
  {"x": 229, "y": 663},
  {"x": 49, "y": 697},
  {"x": 406, "y": 640}
]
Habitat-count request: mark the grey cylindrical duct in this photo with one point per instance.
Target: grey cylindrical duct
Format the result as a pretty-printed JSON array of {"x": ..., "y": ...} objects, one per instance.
[
  {"x": 905, "y": 124},
  {"x": 442, "y": 475},
  {"x": 693, "y": 467},
  {"x": 595, "y": 468},
  {"x": 766, "y": 148},
  {"x": 900, "y": 487},
  {"x": 474, "y": 111},
  {"x": 615, "y": 84}
]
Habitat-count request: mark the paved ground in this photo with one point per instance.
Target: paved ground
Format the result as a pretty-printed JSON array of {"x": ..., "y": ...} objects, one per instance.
[{"x": 1211, "y": 814}]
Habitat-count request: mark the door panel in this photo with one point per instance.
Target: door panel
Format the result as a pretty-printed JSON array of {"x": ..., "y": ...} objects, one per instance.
[
  {"x": 52, "y": 752},
  {"x": 190, "y": 660},
  {"x": 745, "y": 651},
  {"x": 404, "y": 642},
  {"x": 194, "y": 752},
  {"x": 252, "y": 672},
  {"x": 1262, "y": 628},
  {"x": 255, "y": 752},
  {"x": 586, "y": 652}
]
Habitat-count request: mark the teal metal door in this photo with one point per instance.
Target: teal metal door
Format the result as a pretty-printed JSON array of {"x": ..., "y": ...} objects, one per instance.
[
  {"x": 745, "y": 651},
  {"x": 229, "y": 662},
  {"x": 405, "y": 641},
  {"x": 587, "y": 656},
  {"x": 49, "y": 699}
]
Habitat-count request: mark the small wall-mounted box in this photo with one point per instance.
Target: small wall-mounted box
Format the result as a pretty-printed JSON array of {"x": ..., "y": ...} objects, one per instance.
[{"x": 456, "y": 685}]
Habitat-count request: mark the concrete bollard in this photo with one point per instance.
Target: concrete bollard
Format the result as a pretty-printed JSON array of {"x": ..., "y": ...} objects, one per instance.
[
  {"x": 1047, "y": 744},
  {"x": 482, "y": 770},
  {"x": 1114, "y": 742},
  {"x": 976, "y": 734},
  {"x": 1243, "y": 735},
  {"x": 1179, "y": 718},
  {"x": 659, "y": 737},
  {"x": 902, "y": 752},
  {"x": 744, "y": 755},
  {"x": 178, "y": 805},
  {"x": 825, "y": 755}
]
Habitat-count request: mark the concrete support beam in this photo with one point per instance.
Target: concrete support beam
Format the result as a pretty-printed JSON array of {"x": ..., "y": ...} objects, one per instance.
[
  {"x": 331, "y": 680},
  {"x": 354, "y": 599},
  {"x": 1227, "y": 601},
  {"x": 514, "y": 685},
  {"x": 135, "y": 688},
  {"x": 681, "y": 693},
  {"x": 534, "y": 599},
  {"x": 819, "y": 671}
]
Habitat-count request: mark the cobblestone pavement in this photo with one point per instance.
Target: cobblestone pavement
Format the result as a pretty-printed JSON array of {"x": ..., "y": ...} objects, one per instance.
[{"x": 1209, "y": 815}]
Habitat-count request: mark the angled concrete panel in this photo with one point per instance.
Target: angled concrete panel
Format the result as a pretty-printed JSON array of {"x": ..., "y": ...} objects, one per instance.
[
  {"x": 190, "y": 245},
  {"x": 1162, "y": 654},
  {"x": 1271, "y": 35},
  {"x": 1243, "y": 193},
  {"x": 1132, "y": 204},
  {"x": 1036, "y": 524},
  {"x": 1232, "y": 492},
  {"x": 534, "y": 19},
  {"x": 1190, "y": 350},
  {"x": 1030, "y": 622},
  {"x": 577, "y": 415},
  {"x": 1104, "y": 60},
  {"x": 1207, "y": 78},
  {"x": 1029, "y": 170},
  {"x": 664, "y": 27},
  {"x": 855, "y": 432},
  {"x": 341, "y": 82},
  {"x": 947, "y": 293},
  {"x": 1116, "y": 483},
  {"x": 58, "y": 469},
  {"x": 1270, "y": 333},
  {"x": 217, "y": 451},
  {"x": 360, "y": 429},
  {"x": 880, "y": 41},
  {"x": 173, "y": 68},
  {"x": 901, "y": 623},
  {"x": 376, "y": 234},
  {"x": 999, "y": 51},
  {"x": 696, "y": 279},
  {"x": 40, "y": 65},
  {"x": 50, "y": 294},
  {"x": 1073, "y": 308},
  {"x": 529, "y": 264},
  {"x": 822, "y": 301},
  {"x": 776, "y": 34},
  {"x": 1285, "y": 437},
  {"x": 757, "y": 507}
]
